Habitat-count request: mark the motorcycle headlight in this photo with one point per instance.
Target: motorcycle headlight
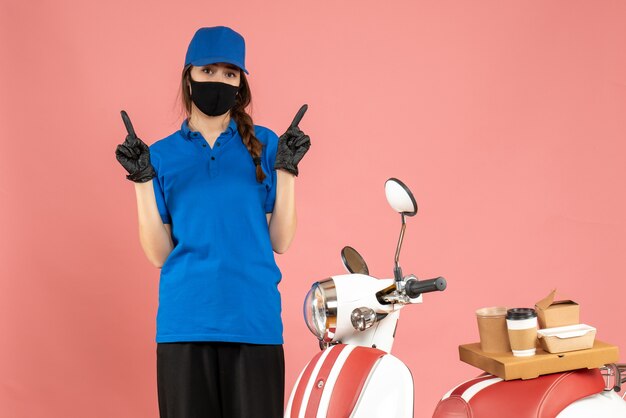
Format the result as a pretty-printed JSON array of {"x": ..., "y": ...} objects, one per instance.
[{"x": 320, "y": 310}]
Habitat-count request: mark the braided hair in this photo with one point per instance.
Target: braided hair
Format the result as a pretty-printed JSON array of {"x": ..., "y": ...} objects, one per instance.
[{"x": 245, "y": 125}]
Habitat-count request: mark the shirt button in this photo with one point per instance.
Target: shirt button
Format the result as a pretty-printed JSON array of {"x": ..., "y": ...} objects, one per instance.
[
  {"x": 204, "y": 145},
  {"x": 212, "y": 158},
  {"x": 218, "y": 144}
]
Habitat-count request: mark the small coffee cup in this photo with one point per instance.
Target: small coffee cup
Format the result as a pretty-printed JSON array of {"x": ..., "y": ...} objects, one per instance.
[
  {"x": 522, "y": 328},
  {"x": 492, "y": 329}
]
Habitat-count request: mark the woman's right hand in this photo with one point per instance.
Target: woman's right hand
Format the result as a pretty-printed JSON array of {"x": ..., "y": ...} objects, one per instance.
[{"x": 134, "y": 155}]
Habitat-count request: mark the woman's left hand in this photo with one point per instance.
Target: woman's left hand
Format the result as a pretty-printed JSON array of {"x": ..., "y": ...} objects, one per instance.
[{"x": 292, "y": 145}]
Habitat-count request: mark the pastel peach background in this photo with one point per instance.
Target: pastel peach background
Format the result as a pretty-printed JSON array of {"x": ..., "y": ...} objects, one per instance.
[{"x": 507, "y": 120}]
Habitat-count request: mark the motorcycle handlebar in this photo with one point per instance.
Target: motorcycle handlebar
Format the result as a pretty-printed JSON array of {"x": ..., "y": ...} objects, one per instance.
[{"x": 414, "y": 288}]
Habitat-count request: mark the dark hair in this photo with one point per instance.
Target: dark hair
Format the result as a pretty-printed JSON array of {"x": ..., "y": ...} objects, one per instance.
[{"x": 245, "y": 125}]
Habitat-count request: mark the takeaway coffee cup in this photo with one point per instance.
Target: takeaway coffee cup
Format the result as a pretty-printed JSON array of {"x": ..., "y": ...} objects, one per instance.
[
  {"x": 492, "y": 329},
  {"x": 522, "y": 327}
]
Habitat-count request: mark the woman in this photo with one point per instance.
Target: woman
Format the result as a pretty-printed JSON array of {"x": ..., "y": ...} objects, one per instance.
[{"x": 215, "y": 201}]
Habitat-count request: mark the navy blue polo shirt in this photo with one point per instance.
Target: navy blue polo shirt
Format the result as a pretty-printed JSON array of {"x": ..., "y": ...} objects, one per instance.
[{"x": 220, "y": 282}]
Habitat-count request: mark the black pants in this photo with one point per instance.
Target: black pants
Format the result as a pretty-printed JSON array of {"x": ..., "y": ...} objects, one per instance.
[{"x": 220, "y": 380}]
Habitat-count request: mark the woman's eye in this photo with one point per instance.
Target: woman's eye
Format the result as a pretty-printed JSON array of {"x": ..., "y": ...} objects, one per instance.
[
  {"x": 206, "y": 69},
  {"x": 231, "y": 74}
]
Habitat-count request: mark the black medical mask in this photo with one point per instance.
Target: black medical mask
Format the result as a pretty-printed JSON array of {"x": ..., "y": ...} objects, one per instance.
[{"x": 213, "y": 98}]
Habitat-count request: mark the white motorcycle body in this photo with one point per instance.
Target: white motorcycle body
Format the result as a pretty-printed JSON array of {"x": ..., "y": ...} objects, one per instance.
[{"x": 358, "y": 377}]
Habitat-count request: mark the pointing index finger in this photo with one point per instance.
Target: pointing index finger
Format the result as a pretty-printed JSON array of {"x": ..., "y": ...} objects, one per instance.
[
  {"x": 129, "y": 126},
  {"x": 299, "y": 115}
]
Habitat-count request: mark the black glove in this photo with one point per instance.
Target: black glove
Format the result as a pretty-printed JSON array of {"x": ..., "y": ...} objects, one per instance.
[
  {"x": 134, "y": 155},
  {"x": 292, "y": 145}
]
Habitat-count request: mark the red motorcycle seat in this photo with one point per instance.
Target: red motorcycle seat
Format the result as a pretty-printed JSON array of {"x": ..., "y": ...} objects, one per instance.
[{"x": 487, "y": 396}]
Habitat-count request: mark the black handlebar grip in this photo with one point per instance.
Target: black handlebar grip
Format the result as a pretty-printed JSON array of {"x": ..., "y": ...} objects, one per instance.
[{"x": 414, "y": 288}]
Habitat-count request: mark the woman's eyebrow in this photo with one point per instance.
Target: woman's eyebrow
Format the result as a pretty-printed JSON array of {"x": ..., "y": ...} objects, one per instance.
[{"x": 229, "y": 66}]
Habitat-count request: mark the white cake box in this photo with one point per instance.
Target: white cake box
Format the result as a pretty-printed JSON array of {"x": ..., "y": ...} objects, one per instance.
[{"x": 568, "y": 338}]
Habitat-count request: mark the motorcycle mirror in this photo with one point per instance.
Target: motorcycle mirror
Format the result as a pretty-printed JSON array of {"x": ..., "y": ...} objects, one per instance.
[
  {"x": 353, "y": 261},
  {"x": 400, "y": 197}
]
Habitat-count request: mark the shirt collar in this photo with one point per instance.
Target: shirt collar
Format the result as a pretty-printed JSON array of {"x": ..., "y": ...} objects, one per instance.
[{"x": 187, "y": 133}]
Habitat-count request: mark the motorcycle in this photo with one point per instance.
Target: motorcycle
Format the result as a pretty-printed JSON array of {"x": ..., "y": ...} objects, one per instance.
[{"x": 354, "y": 318}]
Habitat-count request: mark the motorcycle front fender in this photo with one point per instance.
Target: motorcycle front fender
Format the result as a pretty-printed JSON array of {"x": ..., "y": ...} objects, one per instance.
[{"x": 348, "y": 380}]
